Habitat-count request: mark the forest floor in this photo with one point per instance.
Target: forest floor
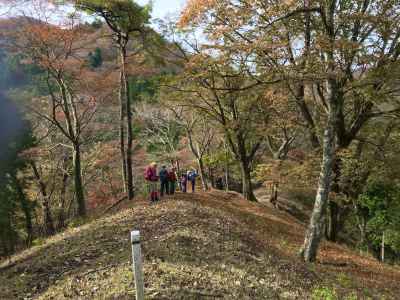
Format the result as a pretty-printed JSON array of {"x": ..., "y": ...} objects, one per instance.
[{"x": 196, "y": 246}]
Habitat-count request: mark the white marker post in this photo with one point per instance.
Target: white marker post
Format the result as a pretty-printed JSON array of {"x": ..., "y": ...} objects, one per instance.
[{"x": 137, "y": 264}]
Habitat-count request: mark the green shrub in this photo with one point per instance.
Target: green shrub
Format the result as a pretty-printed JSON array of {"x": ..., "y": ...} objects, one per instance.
[
  {"x": 380, "y": 204},
  {"x": 344, "y": 280},
  {"x": 95, "y": 59},
  {"x": 324, "y": 293}
]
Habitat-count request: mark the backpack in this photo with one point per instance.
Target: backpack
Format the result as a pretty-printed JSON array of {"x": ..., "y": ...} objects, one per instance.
[
  {"x": 184, "y": 178},
  {"x": 163, "y": 174},
  {"x": 192, "y": 176},
  {"x": 148, "y": 173},
  {"x": 171, "y": 176}
]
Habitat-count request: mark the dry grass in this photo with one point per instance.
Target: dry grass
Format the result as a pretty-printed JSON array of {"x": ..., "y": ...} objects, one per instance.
[{"x": 207, "y": 246}]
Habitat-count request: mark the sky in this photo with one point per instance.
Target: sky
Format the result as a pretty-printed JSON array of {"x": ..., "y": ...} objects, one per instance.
[{"x": 163, "y": 8}]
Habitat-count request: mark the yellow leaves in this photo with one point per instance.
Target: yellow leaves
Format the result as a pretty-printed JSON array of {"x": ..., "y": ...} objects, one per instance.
[{"x": 269, "y": 171}]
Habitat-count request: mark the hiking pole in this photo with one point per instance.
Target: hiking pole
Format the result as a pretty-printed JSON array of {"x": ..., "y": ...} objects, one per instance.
[{"x": 137, "y": 264}]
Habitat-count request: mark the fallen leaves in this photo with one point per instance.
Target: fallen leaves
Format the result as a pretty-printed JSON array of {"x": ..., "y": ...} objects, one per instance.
[{"x": 208, "y": 246}]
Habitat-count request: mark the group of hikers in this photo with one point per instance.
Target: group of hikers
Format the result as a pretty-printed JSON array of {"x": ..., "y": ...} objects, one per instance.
[{"x": 167, "y": 179}]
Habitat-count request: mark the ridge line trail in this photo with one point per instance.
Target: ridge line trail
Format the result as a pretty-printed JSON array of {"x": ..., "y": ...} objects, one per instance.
[{"x": 206, "y": 245}]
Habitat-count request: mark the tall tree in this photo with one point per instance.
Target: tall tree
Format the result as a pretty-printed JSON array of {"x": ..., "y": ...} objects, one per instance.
[
  {"x": 224, "y": 93},
  {"x": 69, "y": 110},
  {"x": 127, "y": 20},
  {"x": 48, "y": 218},
  {"x": 345, "y": 52}
]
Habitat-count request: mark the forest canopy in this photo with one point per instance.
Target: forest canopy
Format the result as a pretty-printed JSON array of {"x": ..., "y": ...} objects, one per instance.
[{"x": 296, "y": 99}]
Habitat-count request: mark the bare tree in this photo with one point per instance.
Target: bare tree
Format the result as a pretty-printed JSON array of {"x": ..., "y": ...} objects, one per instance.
[
  {"x": 200, "y": 133},
  {"x": 69, "y": 109}
]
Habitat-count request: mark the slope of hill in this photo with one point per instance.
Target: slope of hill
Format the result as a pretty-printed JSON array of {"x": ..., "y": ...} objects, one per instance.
[{"x": 204, "y": 246}]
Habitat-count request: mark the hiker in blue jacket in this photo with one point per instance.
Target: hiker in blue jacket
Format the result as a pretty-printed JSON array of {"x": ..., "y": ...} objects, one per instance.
[
  {"x": 163, "y": 175},
  {"x": 191, "y": 176}
]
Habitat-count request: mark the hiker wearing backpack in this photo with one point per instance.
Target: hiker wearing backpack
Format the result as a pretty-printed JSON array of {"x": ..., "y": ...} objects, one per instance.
[
  {"x": 151, "y": 178},
  {"x": 163, "y": 175},
  {"x": 172, "y": 181},
  {"x": 183, "y": 182},
  {"x": 191, "y": 176}
]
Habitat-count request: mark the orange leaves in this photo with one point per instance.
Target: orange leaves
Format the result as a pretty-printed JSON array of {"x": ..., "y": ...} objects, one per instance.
[
  {"x": 194, "y": 11},
  {"x": 45, "y": 33},
  {"x": 49, "y": 46}
]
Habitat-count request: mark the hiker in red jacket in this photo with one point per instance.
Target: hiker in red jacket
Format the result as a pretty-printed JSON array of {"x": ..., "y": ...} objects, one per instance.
[{"x": 152, "y": 179}]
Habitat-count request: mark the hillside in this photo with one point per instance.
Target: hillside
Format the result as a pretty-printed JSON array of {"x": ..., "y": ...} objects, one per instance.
[
  {"x": 204, "y": 246},
  {"x": 271, "y": 102}
]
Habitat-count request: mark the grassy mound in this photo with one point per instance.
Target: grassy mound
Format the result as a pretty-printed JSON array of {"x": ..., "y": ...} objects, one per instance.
[{"x": 203, "y": 246}]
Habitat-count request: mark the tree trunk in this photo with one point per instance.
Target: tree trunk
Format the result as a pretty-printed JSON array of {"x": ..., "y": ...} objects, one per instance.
[
  {"x": 80, "y": 196},
  {"x": 202, "y": 174},
  {"x": 362, "y": 226},
  {"x": 274, "y": 193},
  {"x": 332, "y": 227},
  {"x": 226, "y": 168},
  {"x": 241, "y": 154},
  {"x": 227, "y": 178},
  {"x": 300, "y": 89},
  {"x": 48, "y": 219},
  {"x": 63, "y": 191},
  {"x": 315, "y": 229},
  {"x": 314, "y": 232},
  {"x": 129, "y": 151},
  {"x": 195, "y": 148},
  {"x": 28, "y": 221},
  {"x": 129, "y": 130},
  {"x": 244, "y": 159},
  {"x": 27, "y": 209},
  {"x": 247, "y": 186},
  {"x": 383, "y": 247},
  {"x": 305, "y": 112},
  {"x": 363, "y": 232},
  {"x": 332, "y": 221},
  {"x": 122, "y": 131},
  {"x": 211, "y": 176}
]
